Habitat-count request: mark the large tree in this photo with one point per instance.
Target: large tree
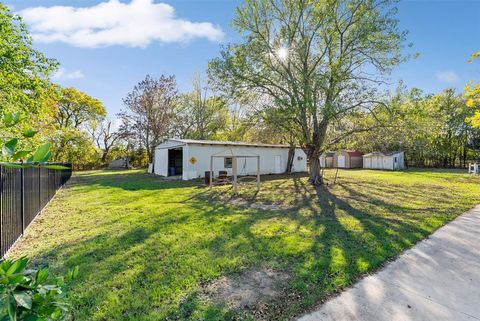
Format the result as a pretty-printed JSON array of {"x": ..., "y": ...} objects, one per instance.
[
  {"x": 76, "y": 108},
  {"x": 24, "y": 71},
  {"x": 317, "y": 60},
  {"x": 200, "y": 114},
  {"x": 150, "y": 106}
]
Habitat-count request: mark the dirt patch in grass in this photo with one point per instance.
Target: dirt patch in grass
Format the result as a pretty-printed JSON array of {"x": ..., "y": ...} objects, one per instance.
[
  {"x": 254, "y": 291},
  {"x": 241, "y": 202}
]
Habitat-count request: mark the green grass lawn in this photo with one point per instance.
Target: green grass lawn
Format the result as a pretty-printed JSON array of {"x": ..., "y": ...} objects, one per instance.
[{"x": 146, "y": 247}]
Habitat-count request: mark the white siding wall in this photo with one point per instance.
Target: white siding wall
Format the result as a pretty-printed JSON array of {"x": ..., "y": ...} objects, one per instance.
[
  {"x": 245, "y": 166},
  {"x": 384, "y": 162}
]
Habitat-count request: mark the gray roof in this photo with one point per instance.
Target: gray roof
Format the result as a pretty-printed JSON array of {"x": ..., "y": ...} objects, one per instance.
[
  {"x": 383, "y": 154},
  {"x": 225, "y": 143},
  {"x": 328, "y": 154}
]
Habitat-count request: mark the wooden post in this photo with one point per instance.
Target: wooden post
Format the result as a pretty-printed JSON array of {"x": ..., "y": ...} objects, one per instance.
[
  {"x": 234, "y": 170},
  {"x": 258, "y": 173},
  {"x": 211, "y": 171}
]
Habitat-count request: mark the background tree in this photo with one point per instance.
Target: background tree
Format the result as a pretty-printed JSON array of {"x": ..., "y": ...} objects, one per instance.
[
  {"x": 430, "y": 128},
  {"x": 150, "y": 111},
  {"x": 24, "y": 71},
  {"x": 200, "y": 114},
  {"x": 76, "y": 108},
  {"x": 318, "y": 61},
  {"x": 105, "y": 136},
  {"x": 472, "y": 95}
]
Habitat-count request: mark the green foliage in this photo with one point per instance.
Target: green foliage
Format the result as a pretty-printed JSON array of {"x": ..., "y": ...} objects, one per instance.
[
  {"x": 198, "y": 115},
  {"x": 432, "y": 129},
  {"x": 74, "y": 145},
  {"x": 10, "y": 152},
  {"x": 76, "y": 108},
  {"x": 29, "y": 294},
  {"x": 23, "y": 70},
  {"x": 472, "y": 96}
]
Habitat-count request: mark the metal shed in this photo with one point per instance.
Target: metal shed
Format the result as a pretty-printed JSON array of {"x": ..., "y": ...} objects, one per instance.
[
  {"x": 327, "y": 160},
  {"x": 348, "y": 159},
  {"x": 190, "y": 158},
  {"x": 389, "y": 161}
]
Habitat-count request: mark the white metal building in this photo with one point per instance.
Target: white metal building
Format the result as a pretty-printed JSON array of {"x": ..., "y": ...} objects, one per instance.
[
  {"x": 390, "y": 161},
  {"x": 191, "y": 158}
]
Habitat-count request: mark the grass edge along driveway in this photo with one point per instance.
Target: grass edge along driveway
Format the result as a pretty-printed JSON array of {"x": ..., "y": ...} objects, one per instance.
[{"x": 147, "y": 247}]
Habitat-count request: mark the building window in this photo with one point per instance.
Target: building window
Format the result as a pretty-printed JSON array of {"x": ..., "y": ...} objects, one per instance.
[
  {"x": 228, "y": 162},
  {"x": 395, "y": 160}
]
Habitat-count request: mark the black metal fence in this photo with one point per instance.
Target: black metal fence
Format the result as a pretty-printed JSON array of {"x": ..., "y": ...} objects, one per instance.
[{"x": 24, "y": 192}]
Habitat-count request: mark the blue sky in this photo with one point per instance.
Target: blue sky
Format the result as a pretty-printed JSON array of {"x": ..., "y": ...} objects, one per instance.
[{"x": 445, "y": 33}]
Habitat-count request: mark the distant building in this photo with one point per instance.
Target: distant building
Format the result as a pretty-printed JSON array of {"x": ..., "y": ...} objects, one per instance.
[
  {"x": 348, "y": 159},
  {"x": 327, "y": 159},
  {"x": 390, "y": 161},
  {"x": 122, "y": 162}
]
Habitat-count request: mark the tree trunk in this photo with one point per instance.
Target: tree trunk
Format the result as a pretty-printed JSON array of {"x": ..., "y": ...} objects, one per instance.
[
  {"x": 315, "y": 175},
  {"x": 104, "y": 155},
  {"x": 291, "y": 156}
]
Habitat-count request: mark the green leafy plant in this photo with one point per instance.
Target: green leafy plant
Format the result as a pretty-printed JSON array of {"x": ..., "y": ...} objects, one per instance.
[
  {"x": 13, "y": 157},
  {"x": 30, "y": 295}
]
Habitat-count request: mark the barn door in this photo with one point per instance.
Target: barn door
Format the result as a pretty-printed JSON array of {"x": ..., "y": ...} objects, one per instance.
[
  {"x": 277, "y": 164},
  {"x": 161, "y": 162}
]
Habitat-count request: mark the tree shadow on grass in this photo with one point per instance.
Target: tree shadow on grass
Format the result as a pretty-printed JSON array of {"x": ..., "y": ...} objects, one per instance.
[{"x": 151, "y": 268}]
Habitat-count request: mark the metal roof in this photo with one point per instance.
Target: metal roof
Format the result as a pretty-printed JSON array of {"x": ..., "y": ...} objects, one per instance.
[
  {"x": 225, "y": 143},
  {"x": 328, "y": 154},
  {"x": 383, "y": 154}
]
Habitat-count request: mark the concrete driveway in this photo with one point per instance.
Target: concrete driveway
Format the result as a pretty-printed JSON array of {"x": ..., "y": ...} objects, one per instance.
[{"x": 438, "y": 279}]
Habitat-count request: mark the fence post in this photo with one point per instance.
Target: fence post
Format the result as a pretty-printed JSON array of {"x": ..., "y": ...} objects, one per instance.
[
  {"x": 1, "y": 212},
  {"x": 22, "y": 197}
]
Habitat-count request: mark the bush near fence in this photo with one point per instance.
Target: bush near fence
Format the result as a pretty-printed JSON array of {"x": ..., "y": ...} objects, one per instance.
[{"x": 24, "y": 192}]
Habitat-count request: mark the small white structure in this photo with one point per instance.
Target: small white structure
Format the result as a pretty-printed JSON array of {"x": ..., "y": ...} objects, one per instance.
[
  {"x": 473, "y": 168},
  {"x": 122, "y": 162},
  {"x": 191, "y": 158},
  {"x": 389, "y": 161}
]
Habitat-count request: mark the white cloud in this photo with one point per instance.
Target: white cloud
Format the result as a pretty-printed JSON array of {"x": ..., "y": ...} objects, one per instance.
[
  {"x": 134, "y": 24},
  {"x": 63, "y": 74},
  {"x": 447, "y": 76}
]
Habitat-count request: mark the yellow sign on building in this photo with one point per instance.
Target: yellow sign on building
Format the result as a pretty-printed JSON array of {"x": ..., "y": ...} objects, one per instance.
[{"x": 193, "y": 160}]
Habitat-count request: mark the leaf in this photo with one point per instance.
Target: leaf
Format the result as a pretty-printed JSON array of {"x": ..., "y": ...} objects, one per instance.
[
  {"x": 11, "y": 308},
  {"x": 42, "y": 275},
  {"x": 23, "y": 299},
  {"x": 56, "y": 314},
  {"x": 60, "y": 281},
  {"x": 16, "y": 118},
  {"x": 7, "y": 119},
  {"x": 20, "y": 154},
  {"x": 13, "y": 165},
  {"x": 30, "y": 317},
  {"x": 56, "y": 167},
  {"x": 40, "y": 153},
  {"x": 46, "y": 157},
  {"x": 10, "y": 119},
  {"x": 13, "y": 268},
  {"x": 9, "y": 147},
  {"x": 29, "y": 133}
]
